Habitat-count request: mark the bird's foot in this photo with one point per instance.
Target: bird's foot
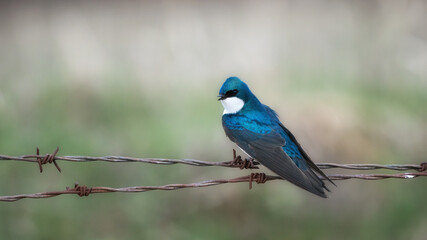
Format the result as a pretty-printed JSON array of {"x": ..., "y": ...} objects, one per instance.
[
  {"x": 258, "y": 178},
  {"x": 247, "y": 163}
]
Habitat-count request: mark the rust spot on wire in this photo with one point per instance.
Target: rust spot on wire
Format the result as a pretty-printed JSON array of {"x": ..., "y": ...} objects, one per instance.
[
  {"x": 247, "y": 163},
  {"x": 81, "y": 190},
  {"x": 258, "y": 177},
  {"x": 48, "y": 158}
]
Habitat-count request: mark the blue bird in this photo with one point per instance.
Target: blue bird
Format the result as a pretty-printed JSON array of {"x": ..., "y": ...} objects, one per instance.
[{"x": 257, "y": 130}]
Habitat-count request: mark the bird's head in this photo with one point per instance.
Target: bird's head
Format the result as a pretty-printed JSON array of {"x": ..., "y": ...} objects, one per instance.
[{"x": 234, "y": 94}]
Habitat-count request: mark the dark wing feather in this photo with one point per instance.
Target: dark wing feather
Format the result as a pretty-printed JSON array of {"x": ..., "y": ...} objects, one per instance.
[
  {"x": 310, "y": 163},
  {"x": 267, "y": 149},
  {"x": 305, "y": 155}
]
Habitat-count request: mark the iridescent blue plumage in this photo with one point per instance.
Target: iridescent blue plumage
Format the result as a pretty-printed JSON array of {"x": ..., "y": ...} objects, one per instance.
[{"x": 257, "y": 130}]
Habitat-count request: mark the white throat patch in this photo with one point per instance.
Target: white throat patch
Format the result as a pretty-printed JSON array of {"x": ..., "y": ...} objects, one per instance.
[{"x": 232, "y": 105}]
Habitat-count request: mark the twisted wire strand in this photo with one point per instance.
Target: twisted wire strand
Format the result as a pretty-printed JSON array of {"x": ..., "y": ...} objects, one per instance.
[
  {"x": 237, "y": 162},
  {"x": 193, "y": 162},
  {"x": 257, "y": 177}
]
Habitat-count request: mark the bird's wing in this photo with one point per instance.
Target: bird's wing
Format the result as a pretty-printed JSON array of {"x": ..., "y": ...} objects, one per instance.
[
  {"x": 305, "y": 155},
  {"x": 267, "y": 149},
  {"x": 307, "y": 158}
]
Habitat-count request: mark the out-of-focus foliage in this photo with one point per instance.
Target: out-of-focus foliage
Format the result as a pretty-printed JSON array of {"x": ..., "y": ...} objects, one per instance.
[{"x": 140, "y": 79}]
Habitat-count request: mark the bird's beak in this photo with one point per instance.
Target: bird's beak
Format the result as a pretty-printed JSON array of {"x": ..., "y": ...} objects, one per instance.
[{"x": 221, "y": 97}]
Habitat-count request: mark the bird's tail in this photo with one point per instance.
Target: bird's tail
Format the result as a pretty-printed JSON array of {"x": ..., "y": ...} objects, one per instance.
[{"x": 316, "y": 182}]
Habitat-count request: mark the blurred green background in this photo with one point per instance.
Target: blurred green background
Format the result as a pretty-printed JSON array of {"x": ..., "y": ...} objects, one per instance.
[{"x": 130, "y": 78}]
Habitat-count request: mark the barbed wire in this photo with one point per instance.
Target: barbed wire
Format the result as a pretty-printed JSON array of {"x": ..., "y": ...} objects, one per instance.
[
  {"x": 238, "y": 162},
  {"x": 254, "y": 177}
]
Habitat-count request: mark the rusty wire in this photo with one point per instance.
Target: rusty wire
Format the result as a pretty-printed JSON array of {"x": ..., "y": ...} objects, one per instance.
[
  {"x": 48, "y": 158},
  {"x": 256, "y": 177},
  {"x": 238, "y": 162}
]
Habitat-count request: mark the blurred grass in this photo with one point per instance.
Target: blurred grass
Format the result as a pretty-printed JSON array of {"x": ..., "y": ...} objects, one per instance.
[
  {"x": 139, "y": 78},
  {"x": 122, "y": 119}
]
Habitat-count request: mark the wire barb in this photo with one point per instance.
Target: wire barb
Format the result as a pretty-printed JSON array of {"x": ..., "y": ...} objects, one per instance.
[
  {"x": 258, "y": 177},
  {"x": 80, "y": 190},
  {"x": 247, "y": 163},
  {"x": 423, "y": 167},
  {"x": 48, "y": 158}
]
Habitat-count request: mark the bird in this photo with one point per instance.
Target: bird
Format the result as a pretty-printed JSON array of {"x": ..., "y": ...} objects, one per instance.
[{"x": 257, "y": 131}]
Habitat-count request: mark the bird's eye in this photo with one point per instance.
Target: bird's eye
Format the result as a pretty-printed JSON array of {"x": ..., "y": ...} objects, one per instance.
[{"x": 231, "y": 93}]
